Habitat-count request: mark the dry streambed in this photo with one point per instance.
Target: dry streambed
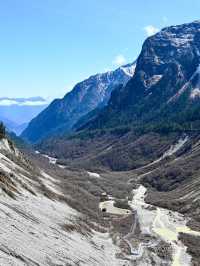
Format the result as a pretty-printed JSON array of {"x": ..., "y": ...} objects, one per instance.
[
  {"x": 163, "y": 224},
  {"x": 160, "y": 225}
]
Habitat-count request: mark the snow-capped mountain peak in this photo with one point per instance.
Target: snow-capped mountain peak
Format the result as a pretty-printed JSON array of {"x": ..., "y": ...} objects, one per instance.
[{"x": 86, "y": 96}]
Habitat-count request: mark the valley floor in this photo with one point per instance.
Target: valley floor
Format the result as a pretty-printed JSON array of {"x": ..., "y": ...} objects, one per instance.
[{"x": 51, "y": 215}]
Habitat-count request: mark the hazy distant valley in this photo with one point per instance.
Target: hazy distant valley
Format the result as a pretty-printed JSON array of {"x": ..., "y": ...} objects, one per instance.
[{"x": 16, "y": 113}]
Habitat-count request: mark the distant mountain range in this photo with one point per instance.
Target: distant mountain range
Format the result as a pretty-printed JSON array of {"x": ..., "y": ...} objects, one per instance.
[
  {"x": 61, "y": 115},
  {"x": 16, "y": 113}
]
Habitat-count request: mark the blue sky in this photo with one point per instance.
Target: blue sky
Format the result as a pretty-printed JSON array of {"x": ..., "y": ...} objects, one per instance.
[{"x": 49, "y": 45}]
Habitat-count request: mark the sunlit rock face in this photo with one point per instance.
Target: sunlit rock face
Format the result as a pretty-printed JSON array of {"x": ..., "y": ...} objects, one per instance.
[{"x": 166, "y": 82}]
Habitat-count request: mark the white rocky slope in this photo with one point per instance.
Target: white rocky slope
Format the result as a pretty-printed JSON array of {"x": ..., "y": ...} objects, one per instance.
[{"x": 31, "y": 231}]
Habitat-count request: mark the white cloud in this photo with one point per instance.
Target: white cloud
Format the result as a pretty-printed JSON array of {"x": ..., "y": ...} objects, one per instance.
[
  {"x": 119, "y": 60},
  {"x": 33, "y": 103},
  {"x": 7, "y": 102},
  {"x": 150, "y": 30},
  {"x": 10, "y": 102}
]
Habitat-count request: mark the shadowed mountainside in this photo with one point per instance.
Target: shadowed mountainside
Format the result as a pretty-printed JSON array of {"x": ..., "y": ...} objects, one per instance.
[{"x": 61, "y": 115}]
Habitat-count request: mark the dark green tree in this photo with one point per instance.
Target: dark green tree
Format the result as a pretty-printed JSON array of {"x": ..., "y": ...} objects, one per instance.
[{"x": 2, "y": 130}]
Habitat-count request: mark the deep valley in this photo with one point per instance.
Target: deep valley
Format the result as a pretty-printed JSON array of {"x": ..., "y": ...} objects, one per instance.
[{"x": 109, "y": 175}]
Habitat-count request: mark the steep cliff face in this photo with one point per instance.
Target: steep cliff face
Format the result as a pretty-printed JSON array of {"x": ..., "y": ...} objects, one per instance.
[
  {"x": 166, "y": 83},
  {"x": 62, "y": 114}
]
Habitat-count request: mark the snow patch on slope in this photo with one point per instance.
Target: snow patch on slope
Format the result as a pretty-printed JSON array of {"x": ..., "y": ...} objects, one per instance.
[
  {"x": 152, "y": 81},
  {"x": 195, "y": 93},
  {"x": 129, "y": 70},
  {"x": 172, "y": 150}
]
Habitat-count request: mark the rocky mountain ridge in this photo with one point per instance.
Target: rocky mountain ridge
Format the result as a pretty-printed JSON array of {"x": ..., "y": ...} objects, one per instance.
[
  {"x": 165, "y": 87},
  {"x": 62, "y": 114}
]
